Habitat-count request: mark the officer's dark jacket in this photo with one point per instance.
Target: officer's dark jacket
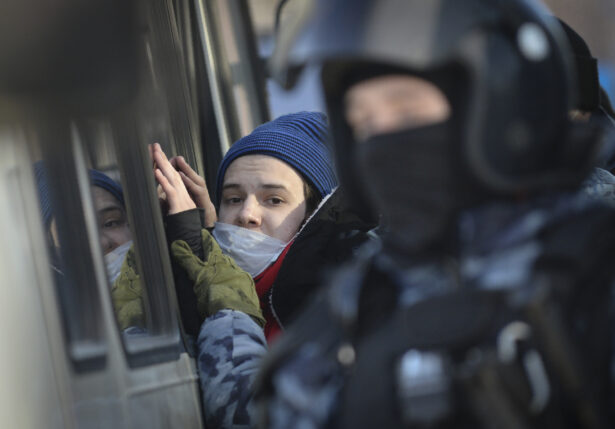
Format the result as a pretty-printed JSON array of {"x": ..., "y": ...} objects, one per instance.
[{"x": 559, "y": 244}]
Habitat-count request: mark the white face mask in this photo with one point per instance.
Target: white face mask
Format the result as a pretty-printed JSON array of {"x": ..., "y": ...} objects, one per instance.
[
  {"x": 115, "y": 259},
  {"x": 251, "y": 250}
]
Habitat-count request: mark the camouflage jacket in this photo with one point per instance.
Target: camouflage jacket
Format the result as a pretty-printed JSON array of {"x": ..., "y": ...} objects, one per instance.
[{"x": 231, "y": 347}]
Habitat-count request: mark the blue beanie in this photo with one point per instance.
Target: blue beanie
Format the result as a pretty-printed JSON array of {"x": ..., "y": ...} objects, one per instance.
[
  {"x": 298, "y": 139},
  {"x": 100, "y": 179},
  {"x": 97, "y": 178}
]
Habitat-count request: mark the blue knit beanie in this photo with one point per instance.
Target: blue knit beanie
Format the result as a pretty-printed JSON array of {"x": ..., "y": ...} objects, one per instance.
[
  {"x": 298, "y": 139},
  {"x": 100, "y": 179},
  {"x": 97, "y": 178}
]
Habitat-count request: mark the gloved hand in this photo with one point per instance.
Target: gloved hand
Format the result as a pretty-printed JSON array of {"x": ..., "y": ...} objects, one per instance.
[
  {"x": 218, "y": 282},
  {"x": 126, "y": 294}
]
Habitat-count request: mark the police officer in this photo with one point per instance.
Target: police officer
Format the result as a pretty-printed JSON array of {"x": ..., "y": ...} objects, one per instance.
[{"x": 488, "y": 302}]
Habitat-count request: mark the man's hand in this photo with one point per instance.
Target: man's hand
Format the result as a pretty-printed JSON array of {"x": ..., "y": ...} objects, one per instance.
[
  {"x": 197, "y": 188},
  {"x": 177, "y": 196}
]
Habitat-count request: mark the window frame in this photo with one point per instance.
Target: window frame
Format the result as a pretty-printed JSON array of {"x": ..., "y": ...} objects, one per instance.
[{"x": 73, "y": 211}]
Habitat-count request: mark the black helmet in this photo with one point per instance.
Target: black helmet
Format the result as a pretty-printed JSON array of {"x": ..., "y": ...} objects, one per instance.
[{"x": 515, "y": 135}]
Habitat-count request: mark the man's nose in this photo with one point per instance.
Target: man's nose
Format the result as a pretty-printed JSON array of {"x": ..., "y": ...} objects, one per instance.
[{"x": 249, "y": 215}]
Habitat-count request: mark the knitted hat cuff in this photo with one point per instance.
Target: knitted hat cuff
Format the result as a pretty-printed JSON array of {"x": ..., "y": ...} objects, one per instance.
[
  {"x": 297, "y": 139},
  {"x": 103, "y": 181}
]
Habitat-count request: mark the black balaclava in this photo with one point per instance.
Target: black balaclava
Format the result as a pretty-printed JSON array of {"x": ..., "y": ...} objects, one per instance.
[
  {"x": 409, "y": 176},
  {"x": 412, "y": 176}
]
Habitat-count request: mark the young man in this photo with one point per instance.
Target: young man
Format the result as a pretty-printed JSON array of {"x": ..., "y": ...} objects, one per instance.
[
  {"x": 269, "y": 183},
  {"x": 487, "y": 303},
  {"x": 281, "y": 220}
]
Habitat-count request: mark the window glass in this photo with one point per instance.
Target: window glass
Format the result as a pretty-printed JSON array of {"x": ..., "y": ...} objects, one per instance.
[
  {"x": 166, "y": 110},
  {"x": 151, "y": 301},
  {"x": 130, "y": 235},
  {"x": 306, "y": 95}
]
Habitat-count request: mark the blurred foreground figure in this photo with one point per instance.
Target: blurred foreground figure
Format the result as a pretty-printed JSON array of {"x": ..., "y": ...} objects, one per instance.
[
  {"x": 488, "y": 303},
  {"x": 69, "y": 56}
]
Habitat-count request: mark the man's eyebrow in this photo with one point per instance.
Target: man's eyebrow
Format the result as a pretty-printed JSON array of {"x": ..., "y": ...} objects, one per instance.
[
  {"x": 274, "y": 186},
  {"x": 264, "y": 185},
  {"x": 231, "y": 186}
]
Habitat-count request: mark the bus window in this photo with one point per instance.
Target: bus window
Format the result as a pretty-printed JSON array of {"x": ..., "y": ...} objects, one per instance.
[
  {"x": 100, "y": 207},
  {"x": 99, "y": 200},
  {"x": 88, "y": 216},
  {"x": 168, "y": 109},
  {"x": 170, "y": 102}
]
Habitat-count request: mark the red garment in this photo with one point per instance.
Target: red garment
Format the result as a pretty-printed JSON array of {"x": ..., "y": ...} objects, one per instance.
[{"x": 263, "y": 283}]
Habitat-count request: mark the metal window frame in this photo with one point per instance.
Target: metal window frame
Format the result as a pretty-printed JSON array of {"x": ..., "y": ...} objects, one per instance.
[{"x": 69, "y": 188}]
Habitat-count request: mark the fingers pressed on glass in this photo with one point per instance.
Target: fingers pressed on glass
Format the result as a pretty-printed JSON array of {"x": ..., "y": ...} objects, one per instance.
[
  {"x": 166, "y": 168},
  {"x": 190, "y": 184},
  {"x": 167, "y": 188},
  {"x": 177, "y": 195},
  {"x": 189, "y": 172}
]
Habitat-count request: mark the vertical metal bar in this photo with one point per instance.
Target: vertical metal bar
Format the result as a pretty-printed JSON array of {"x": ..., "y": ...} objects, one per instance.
[
  {"x": 249, "y": 73},
  {"x": 226, "y": 118}
]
